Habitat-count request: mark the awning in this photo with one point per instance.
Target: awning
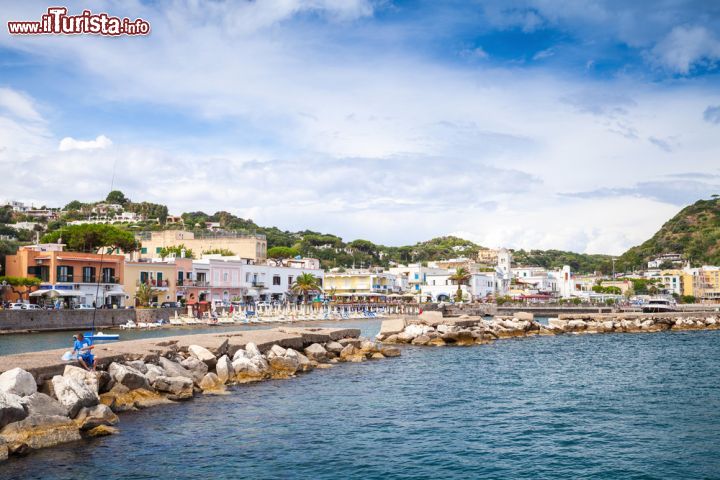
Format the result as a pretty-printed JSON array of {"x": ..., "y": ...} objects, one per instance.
[
  {"x": 57, "y": 293},
  {"x": 115, "y": 292}
]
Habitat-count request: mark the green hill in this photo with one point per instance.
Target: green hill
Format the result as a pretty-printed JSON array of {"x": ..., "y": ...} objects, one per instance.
[{"x": 694, "y": 233}]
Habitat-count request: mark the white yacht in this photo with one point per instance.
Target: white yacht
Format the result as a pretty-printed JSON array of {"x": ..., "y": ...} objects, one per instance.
[{"x": 659, "y": 305}]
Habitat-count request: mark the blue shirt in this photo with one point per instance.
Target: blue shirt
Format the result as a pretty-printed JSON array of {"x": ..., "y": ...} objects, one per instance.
[{"x": 79, "y": 344}]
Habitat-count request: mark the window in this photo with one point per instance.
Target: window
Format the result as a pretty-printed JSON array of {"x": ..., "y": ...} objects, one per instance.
[
  {"x": 64, "y": 273},
  {"x": 247, "y": 278},
  {"x": 290, "y": 280},
  {"x": 157, "y": 249},
  {"x": 143, "y": 250},
  {"x": 144, "y": 277},
  {"x": 108, "y": 275},
  {"x": 276, "y": 279},
  {"x": 225, "y": 276},
  {"x": 88, "y": 275},
  {"x": 159, "y": 279}
]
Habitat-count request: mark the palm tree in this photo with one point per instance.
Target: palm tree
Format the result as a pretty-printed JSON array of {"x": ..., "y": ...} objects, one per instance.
[
  {"x": 304, "y": 284},
  {"x": 461, "y": 276},
  {"x": 144, "y": 294}
]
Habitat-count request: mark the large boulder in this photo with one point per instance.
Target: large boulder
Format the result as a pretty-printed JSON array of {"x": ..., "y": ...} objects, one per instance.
[
  {"x": 85, "y": 377},
  {"x": 416, "y": 330},
  {"x": 40, "y": 431},
  {"x": 178, "y": 388},
  {"x": 122, "y": 399},
  {"x": 276, "y": 351},
  {"x": 246, "y": 369},
  {"x": 203, "y": 354},
  {"x": 421, "y": 340},
  {"x": 73, "y": 394},
  {"x": 11, "y": 409},
  {"x": 224, "y": 369},
  {"x": 317, "y": 352},
  {"x": 390, "y": 351},
  {"x": 284, "y": 366},
  {"x": 196, "y": 368},
  {"x": 153, "y": 372},
  {"x": 89, "y": 418},
  {"x": 138, "y": 365},
  {"x": 334, "y": 347},
  {"x": 211, "y": 383},
  {"x": 391, "y": 327},
  {"x": 3, "y": 450},
  {"x": 352, "y": 354},
  {"x": 174, "y": 369},
  {"x": 18, "y": 382},
  {"x": 41, "y": 404},
  {"x": 128, "y": 376},
  {"x": 304, "y": 363},
  {"x": 252, "y": 350},
  {"x": 241, "y": 354}
]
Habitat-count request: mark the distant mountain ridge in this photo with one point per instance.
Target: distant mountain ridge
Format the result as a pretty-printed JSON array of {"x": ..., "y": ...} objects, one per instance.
[{"x": 694, "y": 233}]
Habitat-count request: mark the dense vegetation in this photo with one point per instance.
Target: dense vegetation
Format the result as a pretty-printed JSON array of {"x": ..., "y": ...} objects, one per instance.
[
  {"x": 555, "y": 259},
  {"x": 694, "y": 233}
]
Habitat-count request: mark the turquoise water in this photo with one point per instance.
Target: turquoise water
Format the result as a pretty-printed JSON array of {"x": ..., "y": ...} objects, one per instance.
[{"x": 643, "y": 406}]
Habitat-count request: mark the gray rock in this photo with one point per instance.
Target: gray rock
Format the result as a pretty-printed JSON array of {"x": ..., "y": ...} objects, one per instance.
[
  {"x": 180, "y": 388},
  {"x": 153, "y": 372},
  {"x": 287, "y": 365},
  {"x": 203, "y": 354},
  {"x": 390, "y": 351},
  {"x": 138, "y": 365},
  {"x": 41, "y": 404},
  {"x": 105, "y": 381},
  {"x": 246, "y": 368},
  {"x": 276, "y": 351},
  {"x": 174, "y": 369},
  {"x": 128, "y": 376},
  {"x": 73, "y": 394},
  {"x": 89, "y": 418},
  {"x": 11, "y": 409},
  {"x": 334, "y": 347},
  {"x": 224, "y": 369},
  {"x": 3, "y": 450},
  {"x": 317, "y": 352},
  {"x": 18, "y": 382},
  {"x": 196, "y": 368},
  {"x": 421, "y": 340}
]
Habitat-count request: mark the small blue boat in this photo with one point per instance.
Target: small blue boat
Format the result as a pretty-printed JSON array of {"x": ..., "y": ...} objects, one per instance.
[{"x": 99, "y": 336}]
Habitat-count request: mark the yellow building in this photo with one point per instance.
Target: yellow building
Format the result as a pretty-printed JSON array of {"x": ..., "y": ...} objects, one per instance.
[
  {"x": 706, "y": 284},
  {"x": 253, "y": 247},
  {"x": 359, "y": 282},
  {"x": 161, "y": 276}
]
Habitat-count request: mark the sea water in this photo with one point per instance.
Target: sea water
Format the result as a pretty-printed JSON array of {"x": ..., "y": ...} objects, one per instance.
[{"x": 616, "y": 406}]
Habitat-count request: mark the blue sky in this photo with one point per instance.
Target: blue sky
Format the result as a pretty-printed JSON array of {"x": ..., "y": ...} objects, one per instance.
[{"x": 579, "y": 125}]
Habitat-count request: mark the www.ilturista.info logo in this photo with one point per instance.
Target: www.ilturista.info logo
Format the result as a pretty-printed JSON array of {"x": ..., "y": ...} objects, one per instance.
[{"x": 58, "y": 22}]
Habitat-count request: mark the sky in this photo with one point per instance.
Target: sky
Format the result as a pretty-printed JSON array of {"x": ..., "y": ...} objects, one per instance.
[{"x": 580, "y": 125}]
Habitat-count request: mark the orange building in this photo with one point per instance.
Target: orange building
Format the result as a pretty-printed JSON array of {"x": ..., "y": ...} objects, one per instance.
[{"x": 70, "y": 277}]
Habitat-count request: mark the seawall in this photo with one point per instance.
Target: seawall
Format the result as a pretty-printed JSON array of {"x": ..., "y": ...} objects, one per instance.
[{"x": 48, "y": 320}]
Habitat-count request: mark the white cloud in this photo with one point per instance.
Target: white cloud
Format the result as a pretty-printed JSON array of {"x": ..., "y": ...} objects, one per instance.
[
  {"x": 18, "y": 105},
  {"x": 69, "y": 143},
  {"x": 685, "y": 47}
]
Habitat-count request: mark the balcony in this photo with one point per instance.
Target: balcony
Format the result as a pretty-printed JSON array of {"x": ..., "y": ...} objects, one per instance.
[
  {"x": 86, "y": 279},
  {"x": 258, "y": 284},
  {"x": 155, "y": 283}
]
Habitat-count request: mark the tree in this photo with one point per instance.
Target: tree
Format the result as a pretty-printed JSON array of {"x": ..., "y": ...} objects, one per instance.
[
  {"x": 279, "y": 253},
  {"x": 117, "y": 197},
  {"x": 6, "y": 214},
  {"x": 461, "y": 276},
  {"x": 177, "y": 251},
  {"x": 149, "y": 210},
  {"x": 92, "y": 238},
  {"x": 74, "y": 206},
  {"x": 144, "y": 294},
  {"x": 21, "y": 285},
  {"x": 217, "y": 251},
  {"x": 304, "y": 284}
]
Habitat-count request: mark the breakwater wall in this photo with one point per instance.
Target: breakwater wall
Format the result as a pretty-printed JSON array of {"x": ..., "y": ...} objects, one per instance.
[
  {"x": 45, "y": 401},
  {"x": 490, "y": 309},
  {"x": 431, "y": 328},
  {"x": 48, "y": 320}
]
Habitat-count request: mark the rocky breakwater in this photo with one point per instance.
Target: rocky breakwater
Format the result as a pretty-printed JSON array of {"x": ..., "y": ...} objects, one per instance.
[
  {"x": 134, "y": 375},
  {"x": 435, "y": 330}
]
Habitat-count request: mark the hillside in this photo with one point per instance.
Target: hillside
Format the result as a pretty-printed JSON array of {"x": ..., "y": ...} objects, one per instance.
[{"x": 694, "y": 232}]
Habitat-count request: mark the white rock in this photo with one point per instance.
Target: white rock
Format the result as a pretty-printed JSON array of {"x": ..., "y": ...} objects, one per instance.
[
  {"x": 181, "y": 387},
  {"x": 87, "y": 378},
  {"x": 73, "y": 394},
  {"x": 276, "y": 351},
  {"x": 317, "y": 352},
  {"x": 241, "y": 354},
  {"x": 224, "y": 369},
  {"x": 245, "y": 367},
  {"x": 211, "y": 382},
  {"x": 203, "y": 354},
  {"x": 18, "y": 382},
  {"x": 153, "y": 372},
  {"x": 252, "y": 350},
  {"x": 174, "y": 369},
  {"x": 416, "y": 330}
]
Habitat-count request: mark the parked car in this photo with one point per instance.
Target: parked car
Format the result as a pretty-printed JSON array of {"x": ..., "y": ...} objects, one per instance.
[
  {"x": 31, "y": 306},
  {"x": 83, "y": 306},
  {"x": 15, "y": 306},
  {"x": 263, "y": 304},
  {"x": 170, "y": 305}
]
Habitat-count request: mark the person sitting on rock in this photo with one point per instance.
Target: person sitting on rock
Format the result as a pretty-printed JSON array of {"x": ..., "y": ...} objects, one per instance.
[{"x": 82, "y": 347}]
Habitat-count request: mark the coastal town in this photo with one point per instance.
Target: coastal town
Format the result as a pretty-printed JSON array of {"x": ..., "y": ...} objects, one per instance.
[{"x": 211, "y": 268}]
